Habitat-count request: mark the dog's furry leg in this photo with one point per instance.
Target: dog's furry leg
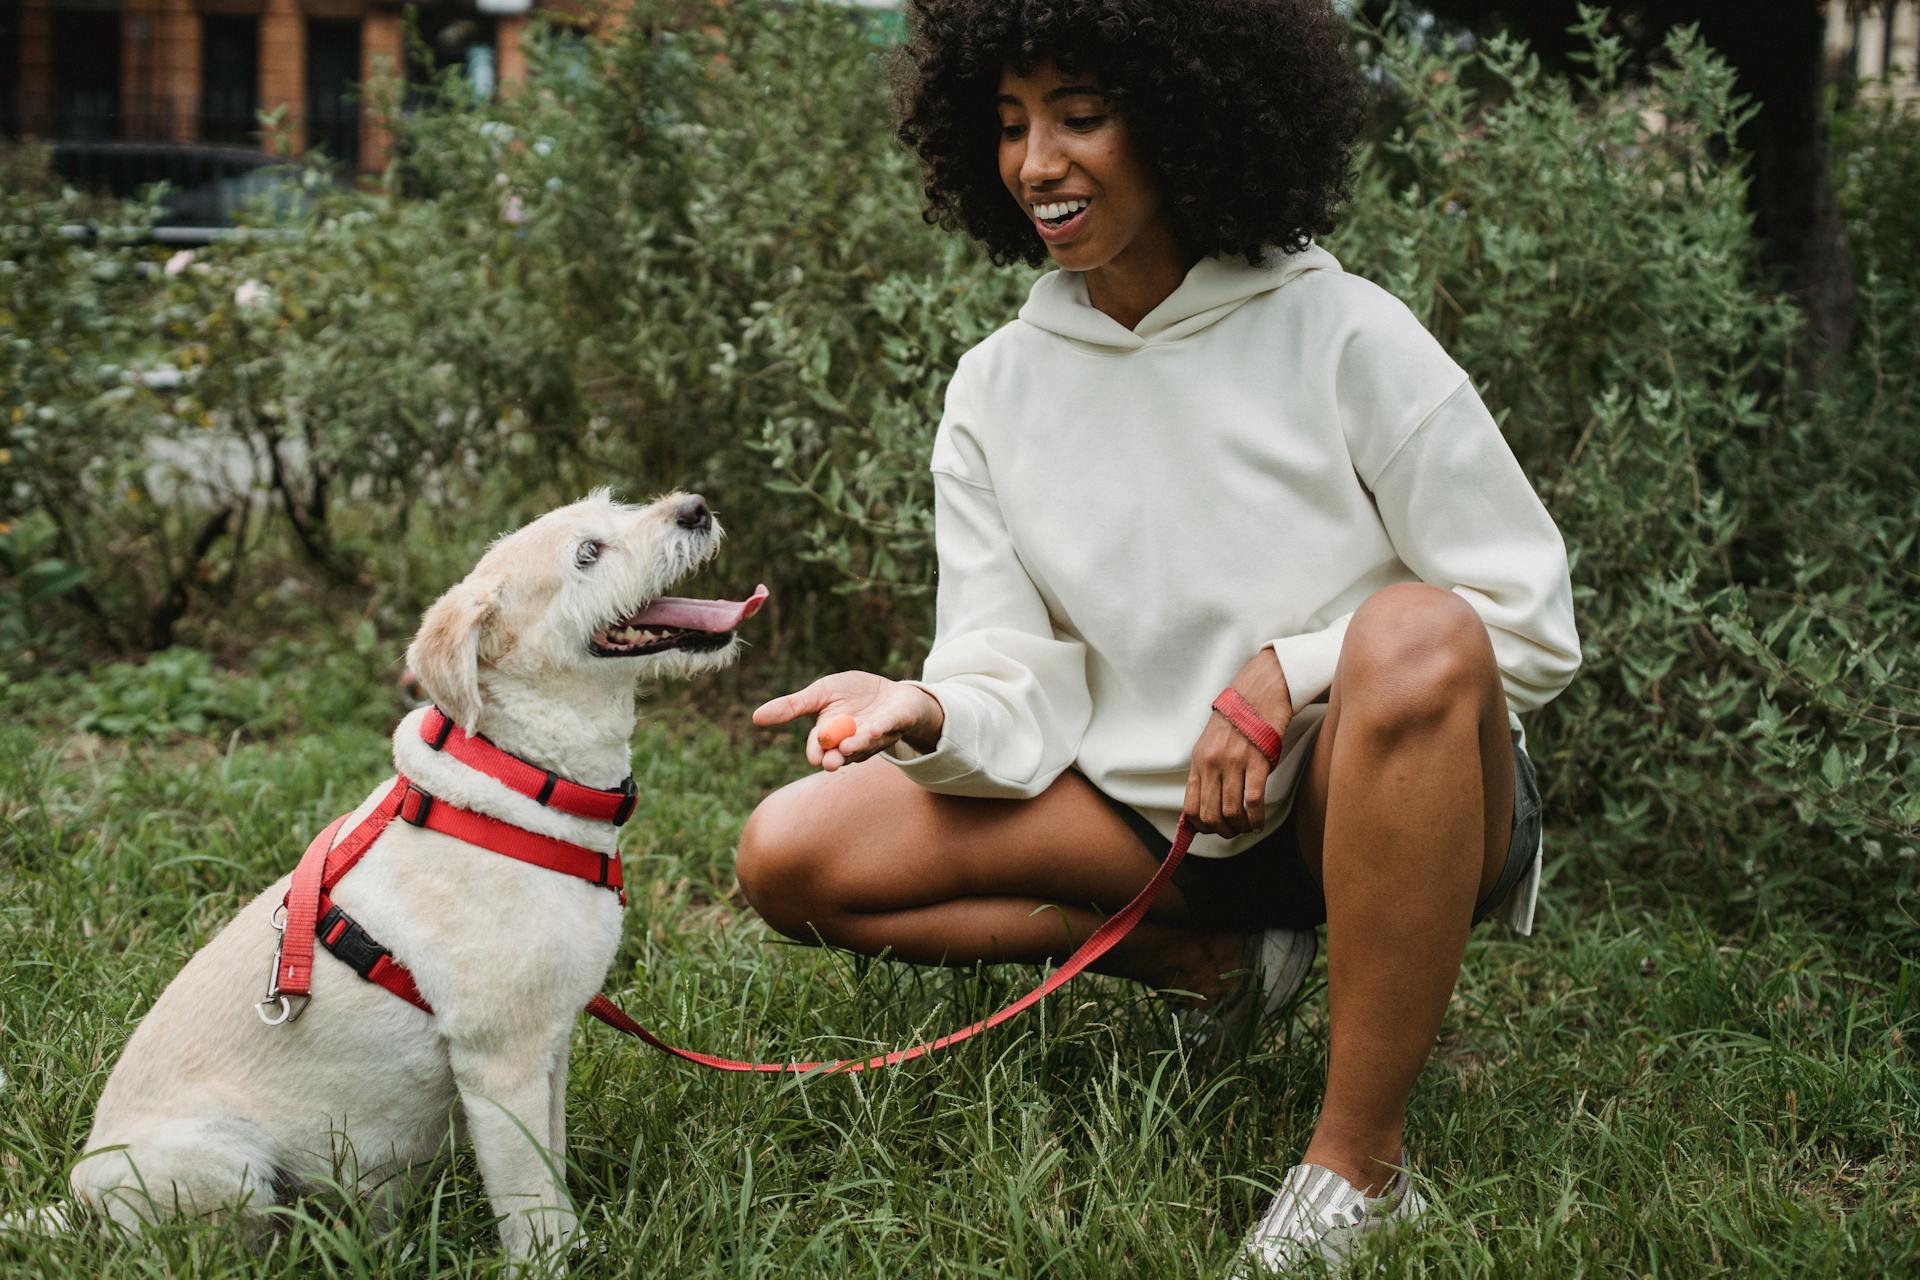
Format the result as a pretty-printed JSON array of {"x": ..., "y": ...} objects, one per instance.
[
  {"x": 501, "y": 1094},
  {"x": 557, "y": 1109},
  {"x": 49, "y": 1220}
]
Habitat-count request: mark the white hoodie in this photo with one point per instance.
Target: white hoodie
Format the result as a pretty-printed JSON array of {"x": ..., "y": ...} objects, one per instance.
[{"x": 1123, "y": 518}]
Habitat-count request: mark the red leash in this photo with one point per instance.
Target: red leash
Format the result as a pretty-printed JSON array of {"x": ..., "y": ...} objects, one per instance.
[{"x": 323, "y": 865}]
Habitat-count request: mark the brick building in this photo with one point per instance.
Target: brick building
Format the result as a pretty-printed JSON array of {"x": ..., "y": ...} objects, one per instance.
[
  {"x": 200, "y": 71},
  {"x": 1875, "y": 51}
]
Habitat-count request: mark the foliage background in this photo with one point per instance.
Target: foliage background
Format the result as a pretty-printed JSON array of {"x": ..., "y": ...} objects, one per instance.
[{"x": 691, "y": 255}]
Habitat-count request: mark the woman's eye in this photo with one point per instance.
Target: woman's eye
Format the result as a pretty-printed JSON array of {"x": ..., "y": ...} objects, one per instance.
[
  {"x": 1012, "y": 130},
  {"x": 589, "y": 552},
  {"x": 1085, "y": 122}
]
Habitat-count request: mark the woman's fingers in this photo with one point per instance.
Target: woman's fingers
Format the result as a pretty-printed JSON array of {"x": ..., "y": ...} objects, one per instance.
[
  {"x": 791, "y": 706},
  {"x": 1227, "y": 786},
  {"x": 1253, "y": 793},
  {"x": 1233, "y": 798},
  {"x": 1210, "y": 817}
]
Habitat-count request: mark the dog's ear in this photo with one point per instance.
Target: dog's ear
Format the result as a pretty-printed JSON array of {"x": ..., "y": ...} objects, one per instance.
[{"x": 445, "y": 654}]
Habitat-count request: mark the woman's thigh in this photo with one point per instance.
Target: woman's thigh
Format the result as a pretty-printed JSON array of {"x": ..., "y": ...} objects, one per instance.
[{"x": 866, "y": 839}]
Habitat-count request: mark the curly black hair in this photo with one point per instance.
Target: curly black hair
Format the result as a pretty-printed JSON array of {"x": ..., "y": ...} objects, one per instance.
[{"x": 1246, "y": 110}]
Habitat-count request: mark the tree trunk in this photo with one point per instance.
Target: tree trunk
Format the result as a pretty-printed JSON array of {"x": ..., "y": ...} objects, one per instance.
[{"x": 1779, "y": 59}]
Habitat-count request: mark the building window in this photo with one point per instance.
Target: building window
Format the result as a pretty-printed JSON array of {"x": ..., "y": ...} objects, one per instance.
[
  {"x": 10, "y": 104},
  {"x": 86, "y": 75},
  {"x": 230, "y": 79},
  {"x": 455, "y": 41},
  {"x": 333, "y": 75}
]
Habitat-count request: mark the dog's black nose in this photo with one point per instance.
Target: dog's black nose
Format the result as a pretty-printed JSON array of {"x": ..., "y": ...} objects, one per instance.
[{"x": 693, "y": 513}]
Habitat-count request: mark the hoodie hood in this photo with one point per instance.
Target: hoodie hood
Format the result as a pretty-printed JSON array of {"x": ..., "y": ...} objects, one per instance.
[{"x": 1212, "y": 290}]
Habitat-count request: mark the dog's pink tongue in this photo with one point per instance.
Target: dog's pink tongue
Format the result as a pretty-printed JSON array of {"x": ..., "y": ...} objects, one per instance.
[{"x": 699, "y": 615}]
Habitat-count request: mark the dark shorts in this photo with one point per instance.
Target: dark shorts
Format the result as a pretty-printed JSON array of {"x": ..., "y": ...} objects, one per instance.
[{"x": 1268, "y": 886}]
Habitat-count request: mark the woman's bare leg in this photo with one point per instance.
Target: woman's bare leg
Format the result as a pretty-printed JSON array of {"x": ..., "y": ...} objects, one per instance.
[
  {"x": 864, "y": 858},
  {"x": 1404, "y": 815}
]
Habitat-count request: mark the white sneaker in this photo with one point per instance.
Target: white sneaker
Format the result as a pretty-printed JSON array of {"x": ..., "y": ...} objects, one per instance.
[
  {"x": 1319, "y": 1214},
  {"x": 1277, "y": 963}
]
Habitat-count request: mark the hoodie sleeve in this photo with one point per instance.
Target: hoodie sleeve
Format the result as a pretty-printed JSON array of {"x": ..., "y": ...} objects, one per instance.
[
  {"x": 1014, "y": 694},
  {"x": 1458, "y": 509}
]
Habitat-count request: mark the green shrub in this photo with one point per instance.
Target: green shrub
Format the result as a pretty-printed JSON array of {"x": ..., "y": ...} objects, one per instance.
[
  {"x": 32, "y": 577},
  {"x": 80, "y": 324},
  {"x": 173, "y": 692},
  {"x": 1738, "y": 559}
]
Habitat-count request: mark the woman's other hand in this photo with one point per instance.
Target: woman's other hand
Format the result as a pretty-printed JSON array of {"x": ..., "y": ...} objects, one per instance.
[
  {"x": 1227, "y": 785},
  {"x": 883, "y": 712}
]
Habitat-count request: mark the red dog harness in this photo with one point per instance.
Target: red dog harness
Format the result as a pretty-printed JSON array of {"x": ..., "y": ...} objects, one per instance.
[{"x": 309, "y": 915}]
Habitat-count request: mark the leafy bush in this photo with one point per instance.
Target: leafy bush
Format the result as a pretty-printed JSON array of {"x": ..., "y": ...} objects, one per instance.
[
  {"x": 1739, "y": 545},
  {"x": 32, "y": 576},
  {"x": 79, "y": 327},
  {"x": 173, "y": 692}
]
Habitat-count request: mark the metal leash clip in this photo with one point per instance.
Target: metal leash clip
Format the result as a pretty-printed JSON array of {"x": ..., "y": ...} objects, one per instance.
[{"x": 287, "y": 1010}]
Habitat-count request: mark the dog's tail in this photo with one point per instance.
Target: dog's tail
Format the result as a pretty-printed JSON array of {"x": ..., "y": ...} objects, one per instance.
[{"x": 49, "y": 1221}]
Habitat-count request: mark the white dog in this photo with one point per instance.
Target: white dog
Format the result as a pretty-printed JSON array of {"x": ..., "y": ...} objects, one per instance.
[{"x": 211, "y": 1110}]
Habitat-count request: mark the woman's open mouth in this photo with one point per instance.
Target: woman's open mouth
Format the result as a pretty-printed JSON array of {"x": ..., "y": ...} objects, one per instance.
[
  {"x": 1059, "y": 220},
  {"x": 674, "y": 622}
]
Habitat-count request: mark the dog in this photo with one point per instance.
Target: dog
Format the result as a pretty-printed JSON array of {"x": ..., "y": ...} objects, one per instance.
[{"x": 210, "y": 1110}]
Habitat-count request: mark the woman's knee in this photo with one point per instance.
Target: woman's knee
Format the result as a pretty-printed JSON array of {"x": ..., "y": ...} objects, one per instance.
[
  {"x": 781, "y": 859},
  {"x": 1416, "y": 657}
]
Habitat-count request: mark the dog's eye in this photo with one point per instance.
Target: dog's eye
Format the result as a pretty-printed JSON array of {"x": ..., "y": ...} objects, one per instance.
[{"x": 589, "y": 552}]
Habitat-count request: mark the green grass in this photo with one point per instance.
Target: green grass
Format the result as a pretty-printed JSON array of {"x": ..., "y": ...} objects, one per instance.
[{"x": 1661, "y": 1082}]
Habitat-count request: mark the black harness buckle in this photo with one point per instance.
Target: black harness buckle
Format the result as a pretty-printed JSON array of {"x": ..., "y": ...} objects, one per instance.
[
  {"x": 629, "y": 796},
  {"x": 349, "y": 943},
  {"x": 446, "y": 730}
]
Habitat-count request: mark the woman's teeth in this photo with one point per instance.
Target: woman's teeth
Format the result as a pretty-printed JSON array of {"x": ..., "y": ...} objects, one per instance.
[{"x": 1059, "y": 211}]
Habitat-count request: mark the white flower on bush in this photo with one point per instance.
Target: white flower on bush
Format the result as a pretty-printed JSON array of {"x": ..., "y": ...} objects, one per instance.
[
  {"x": 513, "y": 211},
  {"x": 179, "y": 262},
  {"x": 252, "y": 295}
]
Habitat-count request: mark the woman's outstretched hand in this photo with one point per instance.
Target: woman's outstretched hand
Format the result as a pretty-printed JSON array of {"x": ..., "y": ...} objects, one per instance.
[
  {"x": 1227, "y": 785},
  {"x": 882, "y": 712}
]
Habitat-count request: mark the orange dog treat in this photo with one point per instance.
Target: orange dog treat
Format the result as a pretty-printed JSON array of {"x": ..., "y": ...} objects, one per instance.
[{"x": 835, "y": 731}]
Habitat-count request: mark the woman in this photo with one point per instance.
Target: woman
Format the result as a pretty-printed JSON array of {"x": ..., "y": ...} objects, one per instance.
[{"x": 1202, "y": 456}]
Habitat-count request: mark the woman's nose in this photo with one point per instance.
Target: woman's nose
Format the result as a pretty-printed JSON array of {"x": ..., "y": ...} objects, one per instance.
[
  {"x": 692, "y": 513},
  {"x": 1044, "y": 161}
]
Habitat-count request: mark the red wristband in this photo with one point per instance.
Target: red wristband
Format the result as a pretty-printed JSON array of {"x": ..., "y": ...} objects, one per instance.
[{"x": 1241, "y": 715}]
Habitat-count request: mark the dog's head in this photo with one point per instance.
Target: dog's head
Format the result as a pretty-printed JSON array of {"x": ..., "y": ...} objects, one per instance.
[{"x": 578, "y": 597}]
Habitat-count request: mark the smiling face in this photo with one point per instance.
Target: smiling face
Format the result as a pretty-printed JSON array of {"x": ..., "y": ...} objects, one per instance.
[{"x": 1070, "y": 162}]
